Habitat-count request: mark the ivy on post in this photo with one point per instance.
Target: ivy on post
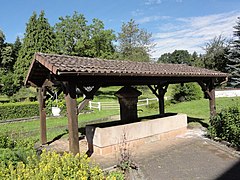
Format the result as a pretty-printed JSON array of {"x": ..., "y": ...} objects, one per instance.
[
  {"x": 71, "y": 104},
  {"x": 42, "y": 113}
]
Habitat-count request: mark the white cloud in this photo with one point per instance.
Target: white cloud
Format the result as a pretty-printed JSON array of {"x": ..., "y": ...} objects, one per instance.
[
  {"x": 193, "y": 32},
  {"x": 151, "y": 18},
  {"x": 152, "y": 2}
]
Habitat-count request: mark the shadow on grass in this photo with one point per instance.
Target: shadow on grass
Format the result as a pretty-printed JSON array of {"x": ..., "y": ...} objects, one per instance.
[
  {"x": 57, "y": 138},
  {"x": 198, "y": 120}
]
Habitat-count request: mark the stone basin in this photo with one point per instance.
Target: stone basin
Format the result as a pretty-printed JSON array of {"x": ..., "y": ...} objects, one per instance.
[{"x": 105, "y": 138}]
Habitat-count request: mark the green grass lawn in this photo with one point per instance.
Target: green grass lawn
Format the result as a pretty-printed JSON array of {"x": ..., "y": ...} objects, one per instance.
[
  {"x": 55, "y": 126},
  {"x": 198, "y": 111}
]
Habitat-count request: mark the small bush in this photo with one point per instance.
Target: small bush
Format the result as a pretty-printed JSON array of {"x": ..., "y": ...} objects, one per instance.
[
  {"x": 187, "y": 92},
  {"x": 14, "y": 151},
  {"x": 18, "y": 110},
  {"x": 226, "y": 125},
  {"x": 18, "y": 160},
  {"x": 51, "y": 165}
]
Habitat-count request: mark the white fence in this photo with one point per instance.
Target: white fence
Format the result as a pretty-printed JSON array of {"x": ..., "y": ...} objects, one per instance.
[
  {"x": 115, "y": 105},
  {"x": 227, "y": 93}
]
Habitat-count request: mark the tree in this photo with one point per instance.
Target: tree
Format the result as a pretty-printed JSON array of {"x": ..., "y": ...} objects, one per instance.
[
  {"x": 215, "y": 54},
  {"x": 134, "y": 43},
  {"x": 7, "y": 57},
  {"x": 101, "y": 40},
  {"x": 75, "y": 37},
  {"x": 2, "y": 38},
  {"x": 72, "y": 35},
  {"x": 16, "y": 47},
  {"x": 39, "y": 37},
  {"x": 177, "y": 57},
  {"x": 164, "y": 58},
  {"x": 233, "y": 65}
]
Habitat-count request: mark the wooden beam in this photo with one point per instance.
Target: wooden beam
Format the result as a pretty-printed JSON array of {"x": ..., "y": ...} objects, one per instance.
[
  {"x": 89, "y": 94},
  {"x": 71, "y": 103},
  {"x": 42, "y": 112},
  {"x": 82, "y": 105}
]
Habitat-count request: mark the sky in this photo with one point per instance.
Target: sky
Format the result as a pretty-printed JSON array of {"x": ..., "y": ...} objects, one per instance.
[{"x": 174, "y": 24}]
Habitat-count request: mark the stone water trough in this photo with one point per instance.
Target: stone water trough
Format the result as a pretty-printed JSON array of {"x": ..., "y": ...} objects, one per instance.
[{"x": 107, "y": 138}]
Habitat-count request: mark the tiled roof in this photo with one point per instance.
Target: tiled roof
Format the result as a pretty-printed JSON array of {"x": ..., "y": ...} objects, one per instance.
[{"x": 62, "y": 65}]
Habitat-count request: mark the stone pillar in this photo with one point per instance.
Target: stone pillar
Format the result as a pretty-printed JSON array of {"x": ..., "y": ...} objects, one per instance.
[{"x": 128, "y": 98}]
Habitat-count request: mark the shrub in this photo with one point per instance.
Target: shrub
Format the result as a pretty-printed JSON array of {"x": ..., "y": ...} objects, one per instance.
[
  {"x": 186, "y": 92},
  {"x": 14, "y": 151},
  {"x": 18, "y": 110},
  {"x": 18, "y": 160},
  {"x": 51, "y": 165},
  {"x": 24, "y": 94},
  {"x": 226, "y": 125}
]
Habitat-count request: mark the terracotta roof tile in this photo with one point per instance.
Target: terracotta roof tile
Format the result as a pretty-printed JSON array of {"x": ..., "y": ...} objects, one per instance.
[{"x": 62, "y": 64}]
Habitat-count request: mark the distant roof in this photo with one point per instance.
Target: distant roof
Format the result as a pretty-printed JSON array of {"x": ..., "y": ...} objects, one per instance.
[{"x": 63, "y": 65}]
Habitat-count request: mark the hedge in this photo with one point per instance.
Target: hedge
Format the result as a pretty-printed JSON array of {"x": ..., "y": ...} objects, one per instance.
[
  {"x": 18, "y": 110},
  {"x": 226, "y": 125}
]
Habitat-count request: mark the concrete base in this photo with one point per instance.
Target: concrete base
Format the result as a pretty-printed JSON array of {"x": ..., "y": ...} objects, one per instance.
[{"x": 106, "y": 140}]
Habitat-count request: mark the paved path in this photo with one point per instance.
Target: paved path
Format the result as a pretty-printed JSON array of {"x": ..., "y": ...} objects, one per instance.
[{"x": 186, "y": 157}]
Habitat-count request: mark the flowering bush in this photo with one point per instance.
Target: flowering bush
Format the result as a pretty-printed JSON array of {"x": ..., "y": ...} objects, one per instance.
[{"x": 51, "y": 165}]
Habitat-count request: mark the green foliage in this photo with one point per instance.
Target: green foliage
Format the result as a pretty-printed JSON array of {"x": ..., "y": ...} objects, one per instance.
[
  {"x": 118, "y": 175},
  {"x": 75, "y": 37},
  {"x": 233, "y": 65},
  {"x": 186, "y": 92},
  {"x": 14, "y": 151},
  {"x": 7, "y": 80},
  {"x": 39, "y": 37},
  {"x": 2, "y": 38},
  {"x": 18, "y": 160},
  {"x": 135, "y": 43},
  {"x": 7, "y": 59},
  {"x": 177, "y": 57},
  {"x": 18, "y": 110},
  {"x": 25, "y": 94},
  {"x": 100, "y": 40},
  {"x": 226, "y": 125},
  {"x": 215, "y": 54},
  {"x": 51, "y": 165}
]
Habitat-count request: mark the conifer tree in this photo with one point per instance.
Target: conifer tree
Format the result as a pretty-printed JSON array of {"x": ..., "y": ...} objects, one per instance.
[
  {"x": 233, "y": 65},
  {"x": 134, "y": 43},
  {"x": 39, "y": 37}
]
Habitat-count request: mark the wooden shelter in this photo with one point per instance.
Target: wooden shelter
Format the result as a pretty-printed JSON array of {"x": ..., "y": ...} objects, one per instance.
[{"x": 89, "y": 74}]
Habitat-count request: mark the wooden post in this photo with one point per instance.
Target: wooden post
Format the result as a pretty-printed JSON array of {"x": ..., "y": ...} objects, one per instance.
[
  {"x": 212, "y": 103},
  {"x": 42, "y": 113},
  {"x": 71, "y": 103},
  {"x": 161, "y": 93}
]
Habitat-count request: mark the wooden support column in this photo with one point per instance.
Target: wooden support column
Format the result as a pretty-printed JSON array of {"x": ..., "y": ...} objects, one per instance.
[
  {"x": 159, "y": 91},
  {"x": 209, "y": 93},
  {"x": 71, "y": 103},
  {"x": 42, "y": 113},
  {"x": 161, "y": 94},
  {"x": 212, "y": 103}
]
